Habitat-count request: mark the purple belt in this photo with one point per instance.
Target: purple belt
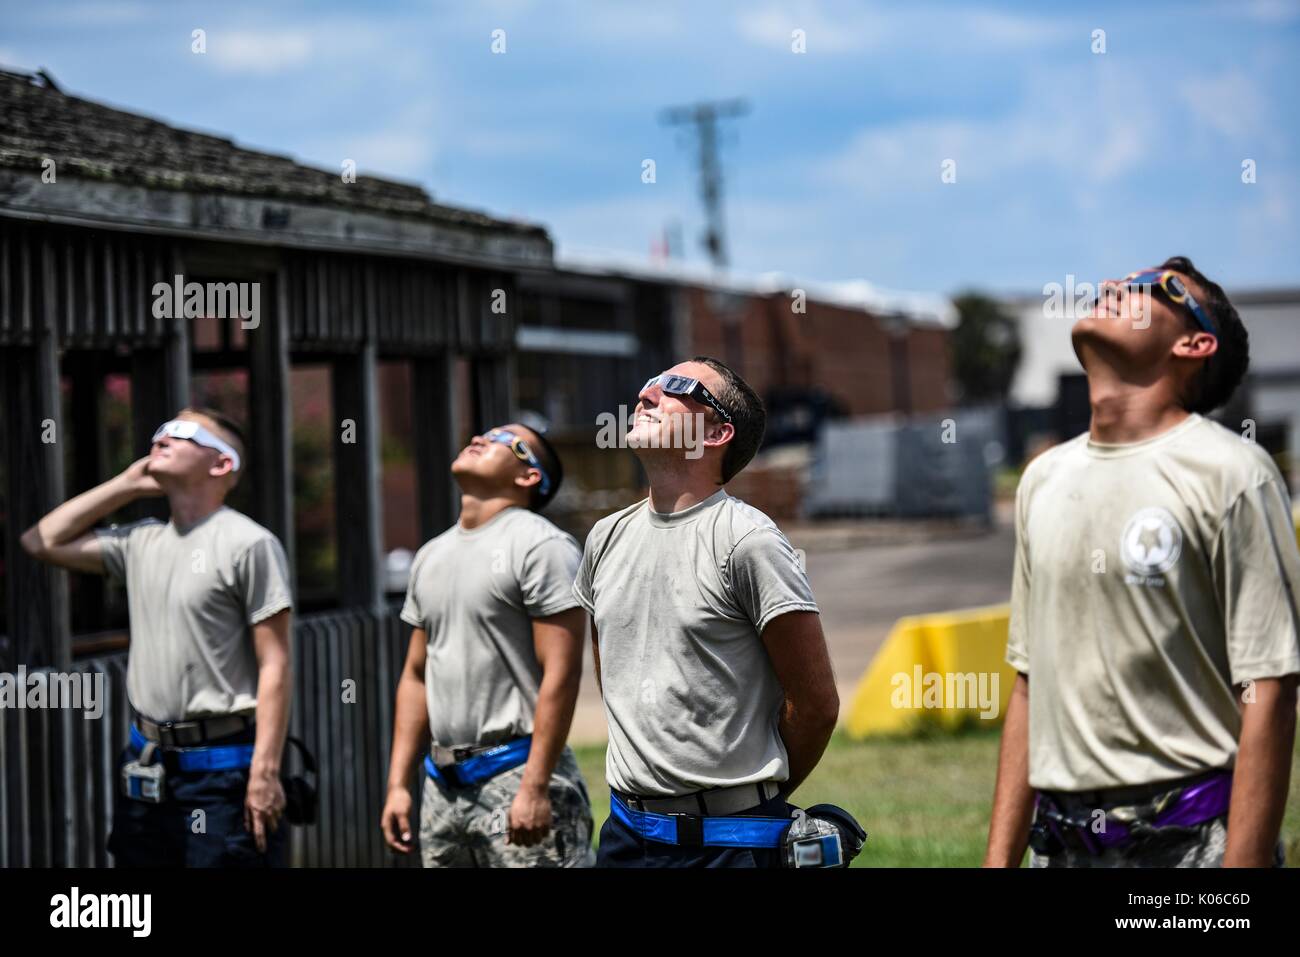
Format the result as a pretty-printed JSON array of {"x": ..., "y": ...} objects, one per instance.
[{"x": 1200, "y": 802}]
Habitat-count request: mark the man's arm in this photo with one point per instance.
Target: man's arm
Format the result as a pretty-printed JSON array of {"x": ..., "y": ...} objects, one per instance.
[
  {"x": 410, "y": 738},
  {"x": 61, "y": 537},
  {"x": 557, "y": 640},
  {"x": 1013, "y": 798},
  {"x": 797, "y": 648},
  {"x": 1262, "y": 774},
  {"x": 264, "y": 802}
]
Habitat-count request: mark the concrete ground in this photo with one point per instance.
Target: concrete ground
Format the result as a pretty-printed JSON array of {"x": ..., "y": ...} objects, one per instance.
[{"x": 866, "y": 575}]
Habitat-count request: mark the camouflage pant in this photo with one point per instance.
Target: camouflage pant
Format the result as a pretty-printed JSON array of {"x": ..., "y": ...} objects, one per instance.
[
  {"x": 466, "y": 827},
  {"x": 1200, "y": 846}
]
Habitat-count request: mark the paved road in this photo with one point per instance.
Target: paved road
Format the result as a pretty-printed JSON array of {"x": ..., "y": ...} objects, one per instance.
[{"x": 866, "y": 576}]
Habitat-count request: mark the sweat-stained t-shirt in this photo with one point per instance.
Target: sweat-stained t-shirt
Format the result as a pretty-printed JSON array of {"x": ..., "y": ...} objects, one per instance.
[
  {"x": 1150, "y": 579},
  {"x": 475, "y": 592},
  {"x": 680, "y": 602},
  {"x": 193, "y": 597}
]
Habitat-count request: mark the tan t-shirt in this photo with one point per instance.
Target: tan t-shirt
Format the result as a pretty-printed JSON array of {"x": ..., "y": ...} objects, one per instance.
[
  {"x": 1150, "y": 579},
  {"x": 193, "y": 597},
  {"x": 475, "y": 592},
  {"x": 680, "y": 601}
]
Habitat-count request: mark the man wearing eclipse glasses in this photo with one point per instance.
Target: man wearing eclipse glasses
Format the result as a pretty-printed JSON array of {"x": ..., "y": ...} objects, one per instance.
[
  {"x": 208, "y": 674},
  {"x": 1154, "y": 607},
  {"x": 708, "y": 645},
  {"x": 492, "y": 673}
]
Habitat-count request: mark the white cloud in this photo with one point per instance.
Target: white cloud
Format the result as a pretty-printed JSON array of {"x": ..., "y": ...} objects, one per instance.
[
  {"x": 1229, "y": 103},
  {"x": 773, "y": 25},
  {"x": 1087, "y": 133},
  {"x": 841, "y": 27},
  {"x": 1270, "y": 11},
  {"x": 258, "y": 52},
  {"x": 99, "y": 13}
]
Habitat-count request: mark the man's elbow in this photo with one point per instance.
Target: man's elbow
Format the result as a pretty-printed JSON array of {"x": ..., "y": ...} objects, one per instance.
[
  {"x": 821, "y": 712},
  {"x": 33, "y": 544},
  {"x": 567, "y": 678}
]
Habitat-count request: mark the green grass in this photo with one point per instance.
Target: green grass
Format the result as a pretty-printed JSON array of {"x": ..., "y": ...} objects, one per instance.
[{"x": 924, "y": 800}]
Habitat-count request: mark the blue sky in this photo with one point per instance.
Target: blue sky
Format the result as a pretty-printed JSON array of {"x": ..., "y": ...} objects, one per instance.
[{"x": 1067, "y": 161}]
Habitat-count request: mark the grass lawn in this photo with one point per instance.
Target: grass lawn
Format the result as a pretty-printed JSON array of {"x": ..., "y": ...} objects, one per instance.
[{"x": 923, "y": 800}]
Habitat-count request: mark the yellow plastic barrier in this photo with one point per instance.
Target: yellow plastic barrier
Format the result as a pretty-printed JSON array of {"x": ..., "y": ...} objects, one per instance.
[{"x": 945, "y": 670}]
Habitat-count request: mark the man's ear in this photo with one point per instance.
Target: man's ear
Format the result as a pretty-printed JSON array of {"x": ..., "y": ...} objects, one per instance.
[
  {"x": 225, "y": 466},
  {"x": 718, "y": 432},
  {"x": 1196, "y": 345}
]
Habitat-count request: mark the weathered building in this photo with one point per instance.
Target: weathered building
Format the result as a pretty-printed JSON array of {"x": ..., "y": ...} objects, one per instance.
[{"x": 339, "y": 279}]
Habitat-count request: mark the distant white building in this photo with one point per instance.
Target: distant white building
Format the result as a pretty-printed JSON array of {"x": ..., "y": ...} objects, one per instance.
[{"x": 1272, "y": 318}]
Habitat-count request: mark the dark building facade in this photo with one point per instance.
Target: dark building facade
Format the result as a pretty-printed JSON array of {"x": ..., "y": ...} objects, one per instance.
[{"x": 347, "y": 287}]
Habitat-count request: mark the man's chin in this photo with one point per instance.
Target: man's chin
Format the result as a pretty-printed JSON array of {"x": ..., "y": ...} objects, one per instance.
[
  {"x": 1091, "y": 335},
  {"x": 1087, "y": 326}
]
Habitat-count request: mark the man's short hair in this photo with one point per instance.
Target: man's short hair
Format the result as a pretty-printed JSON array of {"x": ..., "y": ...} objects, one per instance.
[
  {"x": 1218, "y": 379},
  {"x": 550, "y": 460},
  {"x": 748, "y": 417},
  {"x": 227, "y": 425}
]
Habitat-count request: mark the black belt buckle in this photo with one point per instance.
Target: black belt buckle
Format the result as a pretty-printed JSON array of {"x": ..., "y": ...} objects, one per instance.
[
  {"x": 168, "y": 736},
  {"x": 451, "y": 774},
  {"x": 690, "y": 829},
  {"x": 1043, "y": 840},
  {"x": 1058, "y": 831}
]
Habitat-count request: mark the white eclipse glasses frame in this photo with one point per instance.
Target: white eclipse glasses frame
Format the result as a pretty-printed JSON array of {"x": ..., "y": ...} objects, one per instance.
[{"x": 196, "y": 433}]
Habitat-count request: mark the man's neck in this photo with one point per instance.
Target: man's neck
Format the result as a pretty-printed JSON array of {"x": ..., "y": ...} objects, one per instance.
[
  {"x": 674, "y": 488},
  {"x": 1125, "y": 412},
  {"x": 191, "y": 505},
  {"x": 476, "y": 511}
]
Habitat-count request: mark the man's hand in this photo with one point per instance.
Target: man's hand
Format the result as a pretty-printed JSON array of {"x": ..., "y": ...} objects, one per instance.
[
  {"x": 395, "y": 821},
  {"x": 263, "y": 806},
  {"x": 530, "y": 817},
  {"x": 136, "y": 479}
]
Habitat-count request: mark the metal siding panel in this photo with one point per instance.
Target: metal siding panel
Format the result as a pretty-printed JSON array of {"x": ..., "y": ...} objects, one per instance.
[
  {"x": 27, "y": 321},
  {"x": 7, "y": 322},
  {"x": 87, "y": 315},
  {"x": 109, "y": 325}
]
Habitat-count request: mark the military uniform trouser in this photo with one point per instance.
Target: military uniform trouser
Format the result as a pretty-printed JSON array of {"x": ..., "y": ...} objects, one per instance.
[
  {"x": 1199, "y": 846},
  {"x": 200, "y": 823},
  {"x": 620, "y": 846},
  {"x": 468, "y": 827}
]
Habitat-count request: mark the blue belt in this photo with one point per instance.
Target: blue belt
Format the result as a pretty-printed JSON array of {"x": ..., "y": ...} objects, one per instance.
[
  {"x": 481, "y": 767},
  {"x": 691, "y": 830},
  {"x": 223, "y": 757}
]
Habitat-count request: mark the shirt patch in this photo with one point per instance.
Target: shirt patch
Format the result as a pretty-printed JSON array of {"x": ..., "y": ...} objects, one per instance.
[{"x": 1151, "y": 545}]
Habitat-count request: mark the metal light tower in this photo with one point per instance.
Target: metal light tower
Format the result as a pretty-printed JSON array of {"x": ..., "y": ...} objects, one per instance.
[{"x": 705, "y": 118}]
